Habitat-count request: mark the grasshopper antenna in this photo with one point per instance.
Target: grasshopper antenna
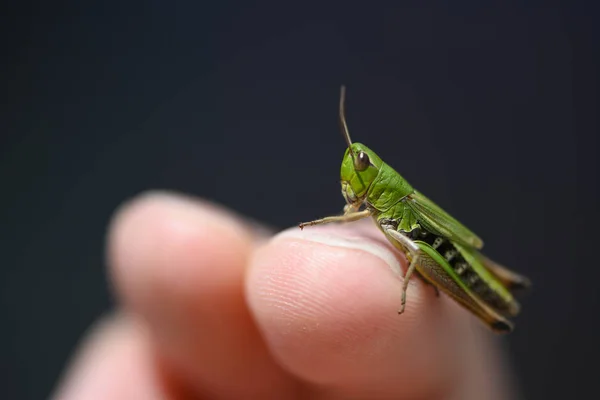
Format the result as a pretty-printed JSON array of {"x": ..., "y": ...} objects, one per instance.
[{"x": 343, "y": 124}]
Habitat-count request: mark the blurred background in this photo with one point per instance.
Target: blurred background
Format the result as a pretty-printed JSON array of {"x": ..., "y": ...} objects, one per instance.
[{"x": 490, "y": 108}]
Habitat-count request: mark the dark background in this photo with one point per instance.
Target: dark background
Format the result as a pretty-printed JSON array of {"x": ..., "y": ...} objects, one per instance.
[{"x": 488, "y": 109}]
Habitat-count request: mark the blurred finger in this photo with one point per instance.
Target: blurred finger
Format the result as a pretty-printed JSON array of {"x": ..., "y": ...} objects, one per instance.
[
  {"x": 116, "y": 362},
  {"x": 180, "y": 264}
]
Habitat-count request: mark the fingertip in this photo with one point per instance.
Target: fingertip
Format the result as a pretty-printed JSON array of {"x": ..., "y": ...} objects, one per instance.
[{"x": 326, "y": 301}]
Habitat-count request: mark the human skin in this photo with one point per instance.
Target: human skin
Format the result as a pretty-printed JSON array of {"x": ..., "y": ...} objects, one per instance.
[{"x": 211, "y": 307}]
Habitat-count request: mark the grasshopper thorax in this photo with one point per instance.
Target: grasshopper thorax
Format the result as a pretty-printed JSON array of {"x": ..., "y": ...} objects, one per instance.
[{"x": 360, "y": 168}]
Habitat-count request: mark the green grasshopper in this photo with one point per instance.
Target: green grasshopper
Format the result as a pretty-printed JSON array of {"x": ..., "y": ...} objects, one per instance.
[{"x": 443, "y": 251}]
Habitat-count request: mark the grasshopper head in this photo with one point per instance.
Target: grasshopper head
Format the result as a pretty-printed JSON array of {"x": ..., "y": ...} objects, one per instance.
[{"x": 360, "y": 167}]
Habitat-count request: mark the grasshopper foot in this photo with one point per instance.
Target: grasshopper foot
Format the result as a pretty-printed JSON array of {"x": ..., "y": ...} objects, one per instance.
[{"x": 402, "y": 303}]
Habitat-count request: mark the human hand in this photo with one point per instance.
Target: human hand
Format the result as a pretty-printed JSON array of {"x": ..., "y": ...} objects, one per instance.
[{"x": 212, "y": 308}]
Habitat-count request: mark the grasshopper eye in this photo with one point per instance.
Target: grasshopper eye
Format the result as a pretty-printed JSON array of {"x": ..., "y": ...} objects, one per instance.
[{"x": 362, "y": 161}]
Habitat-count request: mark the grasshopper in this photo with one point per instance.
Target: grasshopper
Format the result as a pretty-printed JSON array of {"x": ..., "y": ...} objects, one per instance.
[{"x": 442, "y": 250}]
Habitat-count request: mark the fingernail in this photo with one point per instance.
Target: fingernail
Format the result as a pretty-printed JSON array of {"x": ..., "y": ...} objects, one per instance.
[{"x": 344, "y": 239}]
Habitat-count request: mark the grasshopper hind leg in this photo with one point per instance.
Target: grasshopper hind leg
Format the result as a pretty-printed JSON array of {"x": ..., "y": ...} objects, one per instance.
[
  {"x": 435, "y": 288},
  {"x": 435, "y": 269}
]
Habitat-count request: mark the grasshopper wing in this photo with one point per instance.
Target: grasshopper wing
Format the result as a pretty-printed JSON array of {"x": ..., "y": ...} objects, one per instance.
[
  {"x": 502, "y": 301},
  {"x": 510, "y": 279},
  {"x": 438, "y": 221}
]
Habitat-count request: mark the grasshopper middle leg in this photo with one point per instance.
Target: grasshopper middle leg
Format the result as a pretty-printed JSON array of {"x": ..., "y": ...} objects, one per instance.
[{"x": 414, "y": 250}]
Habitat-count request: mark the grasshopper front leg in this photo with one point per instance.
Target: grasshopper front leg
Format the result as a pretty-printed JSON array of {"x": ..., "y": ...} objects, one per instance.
[{"x": 347, "y": 217}]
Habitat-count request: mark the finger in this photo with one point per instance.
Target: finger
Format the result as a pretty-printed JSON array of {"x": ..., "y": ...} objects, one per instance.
[
  {"x": 180, "y": 264},
  {"x": 116, "y": 362},
  {"x": 326, "y": 299}
]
